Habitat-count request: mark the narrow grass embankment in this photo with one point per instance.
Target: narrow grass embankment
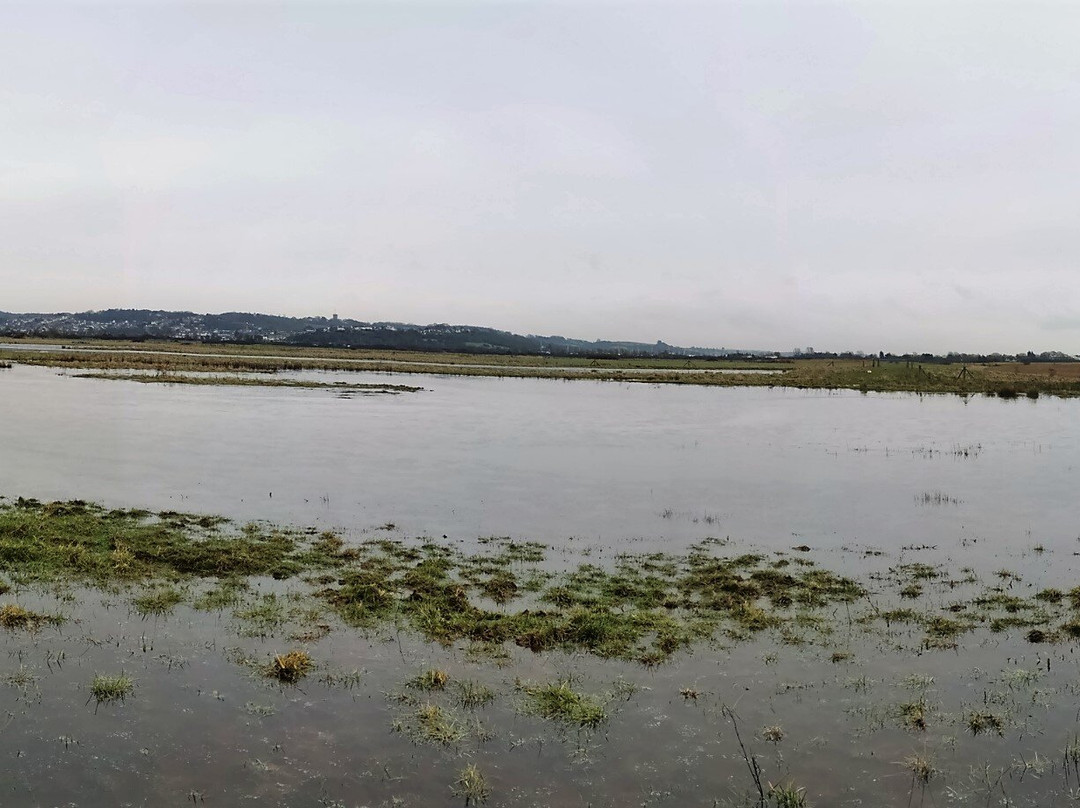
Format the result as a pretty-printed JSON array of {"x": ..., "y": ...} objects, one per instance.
[
  {"x": 177, "y": 357},
  {"x": 252, "y": 381},
  {"x": 277, "y": 351},
  {"x": 1006, "y": 380}
]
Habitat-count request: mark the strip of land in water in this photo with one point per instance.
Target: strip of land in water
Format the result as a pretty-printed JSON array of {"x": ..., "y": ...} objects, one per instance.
[
  {"x": 1007, "y": 379},
  {"x": 251, "y": 381}
]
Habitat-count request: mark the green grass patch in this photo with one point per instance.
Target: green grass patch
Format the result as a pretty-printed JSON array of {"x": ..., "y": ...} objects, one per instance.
[
  {"x": 434, "y": 724},
  {"x": 105, "y": 688},
  {"x": 432, "y": 679},
  {"x": 640, "y": 608},
  {"x": 80, "y": 540},
  {"x": 471, "y": 694},
  {"x": 13, "y": 616},
  {"x": 471, "y": 785},
  {"x": 157, "y": 602},
  {"x": 981, "y": 722},
  {"x": 559, "y": 702},
  {"x": 224, "y": 596}
]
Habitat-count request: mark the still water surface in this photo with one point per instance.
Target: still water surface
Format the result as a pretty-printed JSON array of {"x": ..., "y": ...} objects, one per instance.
[
  {"x": 582, "y": 464},
  {"x": 600, "y": 462}
]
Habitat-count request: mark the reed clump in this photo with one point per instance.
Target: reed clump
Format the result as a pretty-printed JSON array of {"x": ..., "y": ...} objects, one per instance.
[
  {"x": 471, "y": 785},
  {"x": 291, "y": 667}
]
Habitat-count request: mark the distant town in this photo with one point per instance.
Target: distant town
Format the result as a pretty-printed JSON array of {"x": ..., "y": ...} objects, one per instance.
[{"x": 337, "y": 332}]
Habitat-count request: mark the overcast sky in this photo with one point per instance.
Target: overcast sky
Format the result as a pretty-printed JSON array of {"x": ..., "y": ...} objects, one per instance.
[{"x": 766, "y": 175}]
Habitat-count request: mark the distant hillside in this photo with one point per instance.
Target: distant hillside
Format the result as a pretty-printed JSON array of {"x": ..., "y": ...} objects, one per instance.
[
  {"x": 246, "y": 327},
  {"x": 139, "y": 324}
]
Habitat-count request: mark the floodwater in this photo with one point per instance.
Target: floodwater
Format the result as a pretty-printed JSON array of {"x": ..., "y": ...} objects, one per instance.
[
  {"x": 601, "y": 468},
  {"x": 651, "y": 467}
]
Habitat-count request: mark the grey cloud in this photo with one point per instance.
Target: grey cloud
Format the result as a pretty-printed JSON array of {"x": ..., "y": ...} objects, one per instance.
[{"x": 845, "y": 175}]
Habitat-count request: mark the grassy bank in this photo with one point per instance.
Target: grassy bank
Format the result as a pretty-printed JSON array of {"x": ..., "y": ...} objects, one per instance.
[
  {"x": 1004, "y": 380},
  {"x": 278, "y": 351},
  {"x": 250, "y": 381}
]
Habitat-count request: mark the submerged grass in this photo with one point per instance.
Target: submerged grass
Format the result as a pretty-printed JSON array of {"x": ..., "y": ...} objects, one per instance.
[
  {"x": 621, "y": 613},
  {"x": 639, "y": 608},
  {"x": 433, "y": 724},
  {"x": 225, "y": 595},
  {"x": 80, "y": 540},
  {"x": 921, "y": 767},
  {"x": 291, "y": 667},
  {"x": 786, "y": 795},
  {"x": 105, "y": 688},
  {"x": 472, "y": 695},
  {"x": 13, "y": 616},
  {"x": 980, "y": 722},
  {"x": 157, "y": 601},
  {"x": 433, "y": 679},
  {"x": 471, "y": 785},
  {"x": 558, "y": 701},
  {"x": 913, "y": 714}
]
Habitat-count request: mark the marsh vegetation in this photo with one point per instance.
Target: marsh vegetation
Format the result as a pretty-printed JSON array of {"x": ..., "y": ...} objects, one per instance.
[
  {"x": 462, "y": 647},
  {"x": 107, "y": 688}
]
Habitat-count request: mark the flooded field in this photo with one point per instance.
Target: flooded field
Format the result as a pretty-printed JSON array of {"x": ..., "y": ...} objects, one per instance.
[{"x": 705, "y": 596}]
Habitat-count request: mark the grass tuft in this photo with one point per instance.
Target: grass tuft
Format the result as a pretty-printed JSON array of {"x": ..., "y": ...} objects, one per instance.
[
  {"x": 913, "y": 713},
  {"x": 290, "y": 667},
  {"x": 921, "y": 767},
  {"x": 773, "y": 734},
  {"x": 157, "y": 602},
  {"x": 13, "y": 616},
  {"x": 786, "y": 795},
  {"x": 472, "y": 695},
  {"x": 472, "y": 786},
  {"x": 105, "y": 689},
  {"x": 559, "y": 702},
  {"x": 432, "y": 679},
  {"x": 985, "y": 722},
  {"x": 436, "y": 725}
]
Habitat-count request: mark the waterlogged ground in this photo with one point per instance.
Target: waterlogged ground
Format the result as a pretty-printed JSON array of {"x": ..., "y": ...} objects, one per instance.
[
  {"x": 877, "y": 592},
  {"x": 910, "y": 684}
]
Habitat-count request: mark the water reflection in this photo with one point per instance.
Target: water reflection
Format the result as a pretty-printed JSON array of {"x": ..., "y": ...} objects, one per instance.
[
  {"x": 609, "y": 463},
  {"x": 601, "y": 466}
]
